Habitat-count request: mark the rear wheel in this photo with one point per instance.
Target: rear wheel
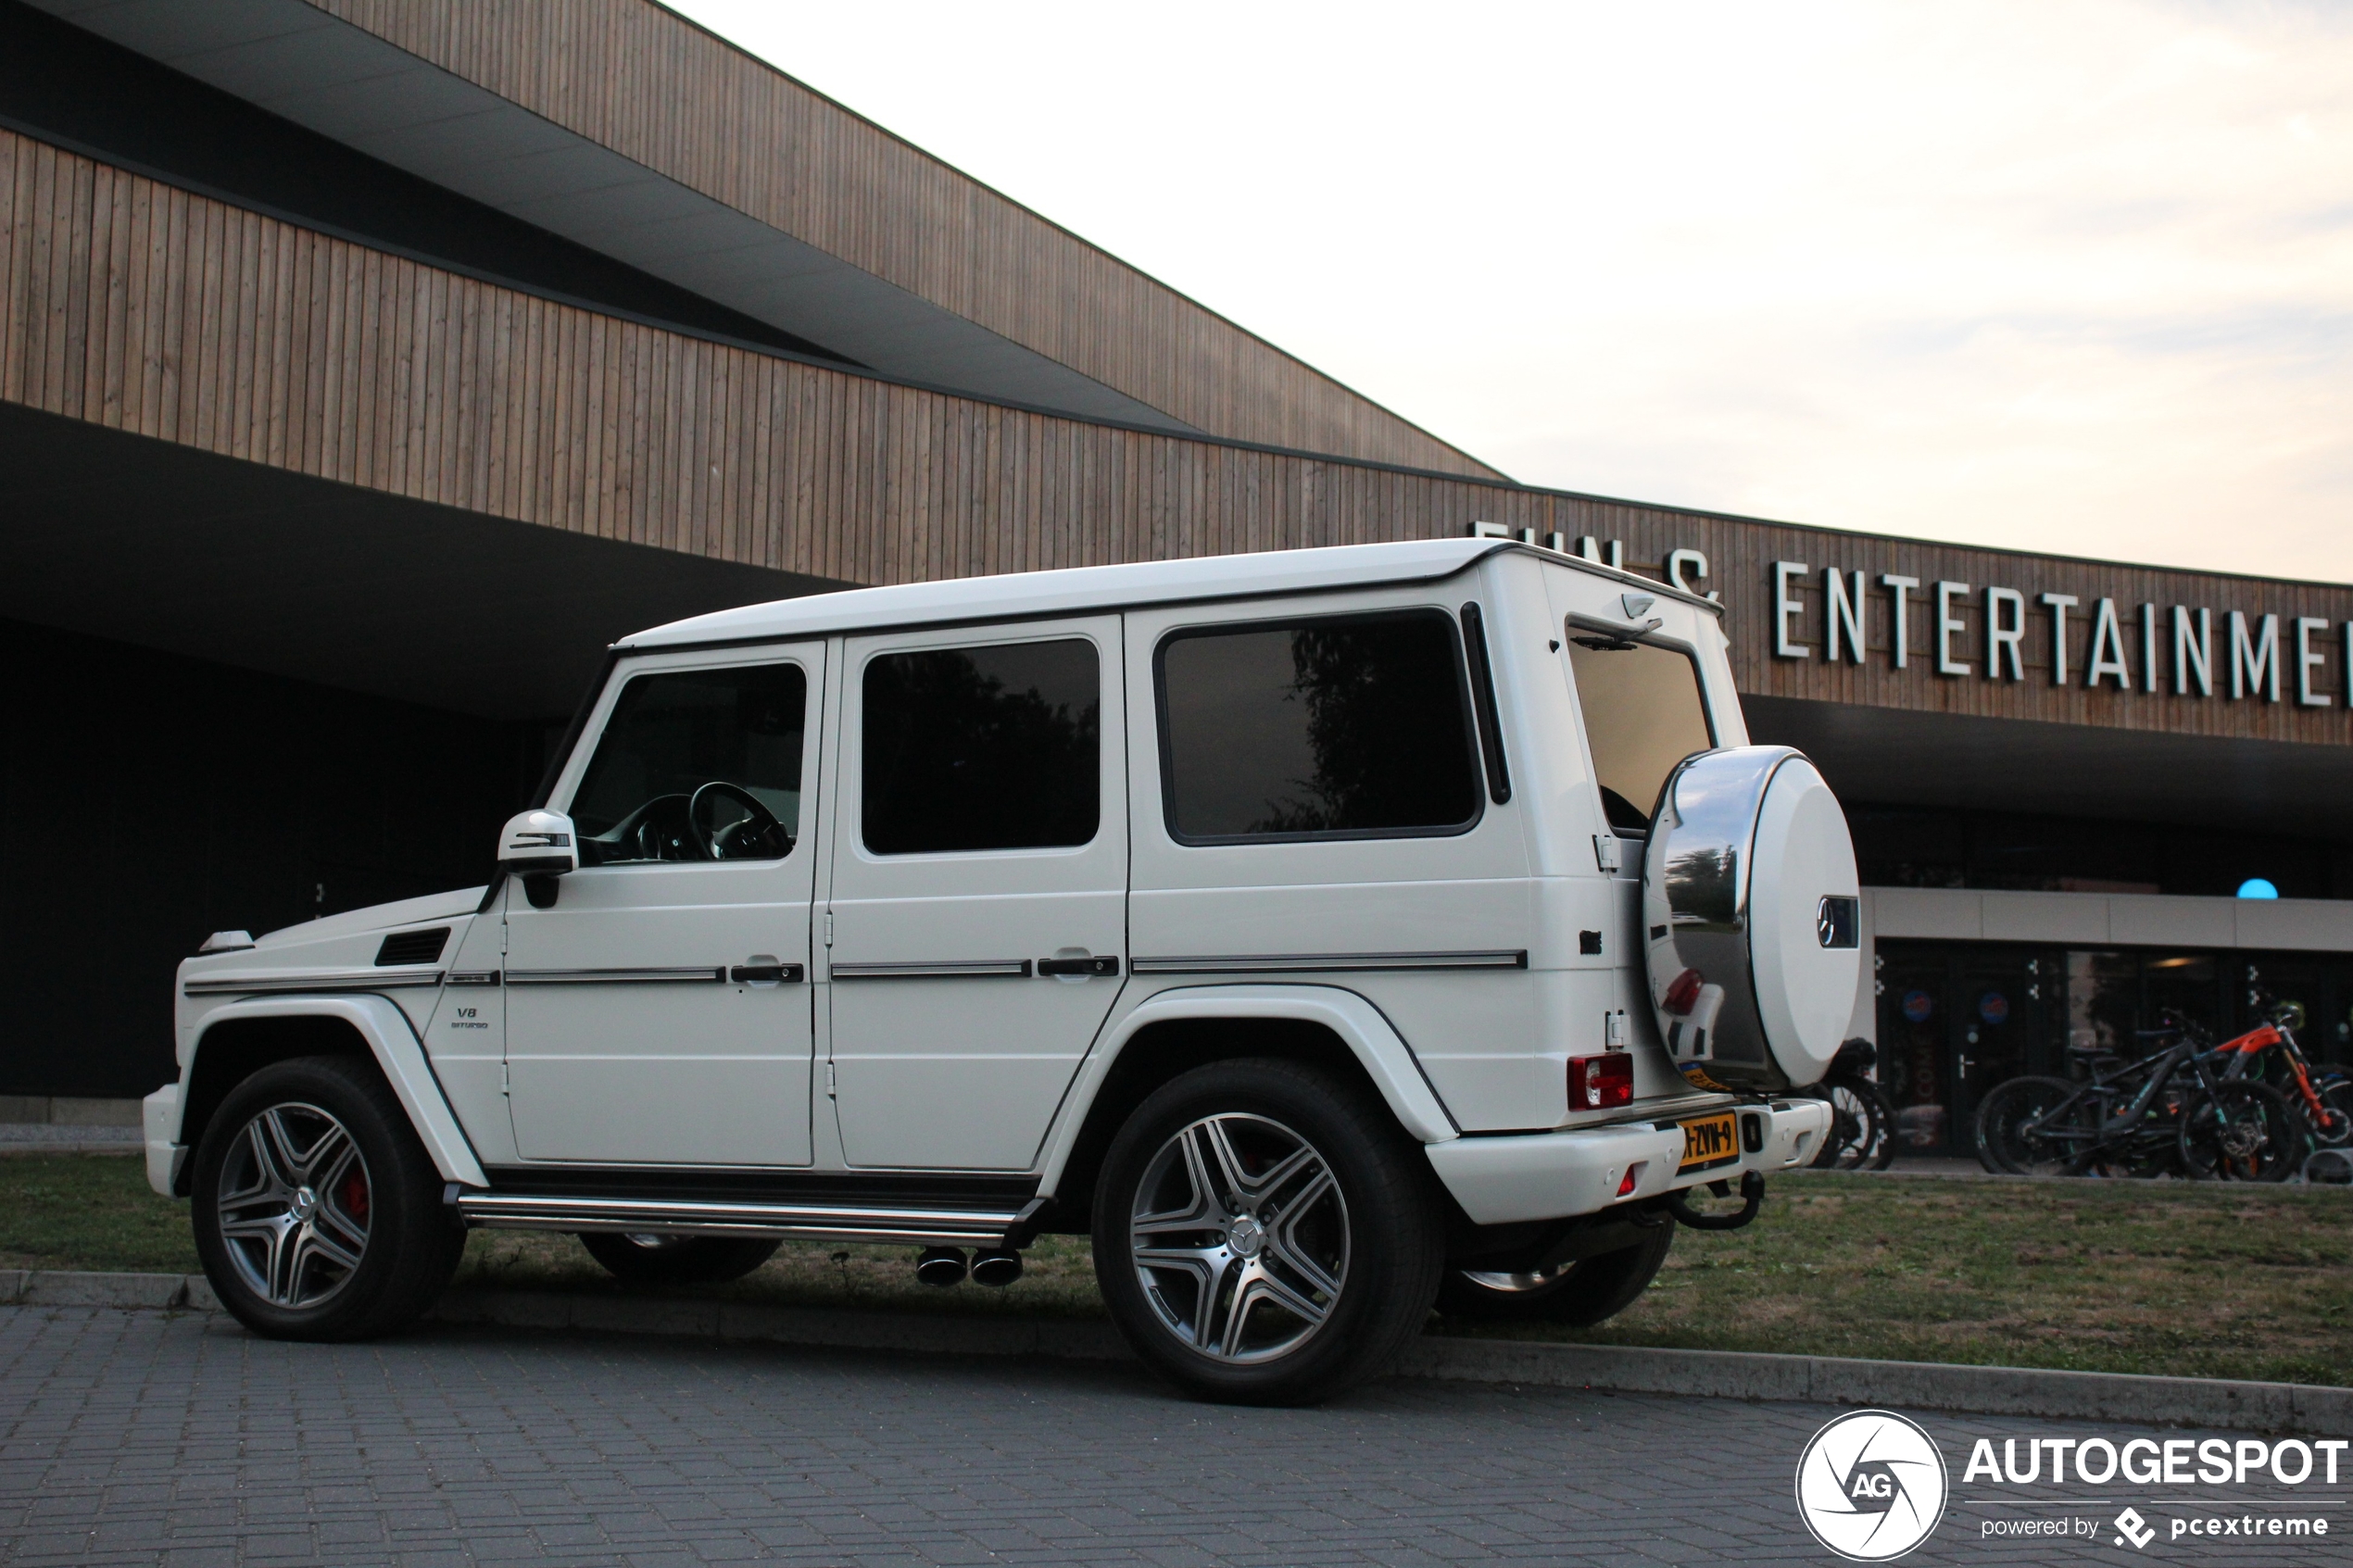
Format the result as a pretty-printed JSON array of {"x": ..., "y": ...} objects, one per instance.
[
  {"x": 1586, "y": 1291},
  {"x": 656, "y": 1259},
  {"x": 1264, "y": 1233},
  {"x": 2025, "y": 1127},
  {"x": 317, "y": 1213},
  {"x": 2243, "y": 1132}
]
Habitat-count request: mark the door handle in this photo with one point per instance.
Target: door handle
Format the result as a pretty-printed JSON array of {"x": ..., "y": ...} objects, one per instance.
[
  {"x": 1108, "y": 964},
  {"x": 768, "y": 972},
  {"x": 1965, "y": 1065}
]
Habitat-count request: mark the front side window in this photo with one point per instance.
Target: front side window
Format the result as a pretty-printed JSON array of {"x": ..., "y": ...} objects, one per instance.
[
  {"x": 1644, "y": 714},
  {"x": 995, "y": 747},
  {"x": 1347, "y": 727},
  {"x": 697, "y": 765}
]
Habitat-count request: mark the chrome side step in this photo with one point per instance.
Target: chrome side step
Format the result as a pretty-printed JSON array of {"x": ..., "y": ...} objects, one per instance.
[{"x": 804, "y": 1222}]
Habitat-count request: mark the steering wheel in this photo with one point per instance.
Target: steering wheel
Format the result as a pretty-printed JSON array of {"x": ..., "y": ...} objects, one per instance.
[{"x": 758, "y": 828}]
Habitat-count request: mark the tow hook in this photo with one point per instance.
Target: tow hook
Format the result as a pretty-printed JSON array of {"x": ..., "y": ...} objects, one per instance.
[{"x": 1751, "y": 1199}]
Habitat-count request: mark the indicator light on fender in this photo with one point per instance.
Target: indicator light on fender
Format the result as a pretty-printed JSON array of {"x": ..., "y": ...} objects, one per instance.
[{"x": 1598, "y": 1083}]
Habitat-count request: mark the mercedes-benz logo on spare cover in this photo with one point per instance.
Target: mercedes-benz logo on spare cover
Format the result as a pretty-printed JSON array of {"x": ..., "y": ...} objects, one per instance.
[{"x": 1871, "y": 1485}]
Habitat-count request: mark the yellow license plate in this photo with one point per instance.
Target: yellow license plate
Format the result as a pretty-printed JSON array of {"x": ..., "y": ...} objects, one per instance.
[{"x": 1709, "y": 1141}]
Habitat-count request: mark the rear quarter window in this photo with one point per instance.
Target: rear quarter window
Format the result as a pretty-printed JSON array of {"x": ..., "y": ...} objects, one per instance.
[{"x": 1322, "y": 727}]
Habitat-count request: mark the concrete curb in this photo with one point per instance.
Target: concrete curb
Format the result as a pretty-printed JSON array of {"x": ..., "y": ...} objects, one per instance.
[{"x": 2207, "y": 1402}]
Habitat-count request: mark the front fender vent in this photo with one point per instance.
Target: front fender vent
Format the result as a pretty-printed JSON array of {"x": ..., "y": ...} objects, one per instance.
[{"x": 413, "y": 946}]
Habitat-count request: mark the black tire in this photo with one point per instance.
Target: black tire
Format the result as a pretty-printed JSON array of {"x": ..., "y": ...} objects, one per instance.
[
  {"x": 1318, "y": 1181},
  {"x": 2002, "y": 1145},
  {"x": 678, "y": 1259},
  {"x": 2243, "y": 1132},
  {"x": 1862, "y": 1135},
  {"x": 1588, "y": 1291},
  {"x": 317, "y": 1152}
]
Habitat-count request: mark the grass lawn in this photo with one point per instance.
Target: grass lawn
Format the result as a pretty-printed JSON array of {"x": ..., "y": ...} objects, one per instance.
[{"x": 2199, "y": 1281}]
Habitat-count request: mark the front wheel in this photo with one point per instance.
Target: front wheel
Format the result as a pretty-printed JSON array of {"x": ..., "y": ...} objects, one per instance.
[
  {"x": 678, "y": 1259},
  {"x": 317, "y": 1212},
  {"x": 2242, "y": 1132},
  {"x": 1585, "y": 1292},
  {"x": 1862, "y": 1135},
  {"x": 2028, "y": 1127},
  {"x": 1264, "y": 1233}
]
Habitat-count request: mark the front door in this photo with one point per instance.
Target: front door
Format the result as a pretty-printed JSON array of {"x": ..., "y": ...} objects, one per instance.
[
  {"x": 659, "y": 1011},
  {"x": 979, "y": 891}
]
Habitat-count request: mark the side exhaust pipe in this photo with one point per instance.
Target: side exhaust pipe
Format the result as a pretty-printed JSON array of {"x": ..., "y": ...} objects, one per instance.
[
  {"x": 942, "y": 1266},
  {"x": 996, "y": 1268}
]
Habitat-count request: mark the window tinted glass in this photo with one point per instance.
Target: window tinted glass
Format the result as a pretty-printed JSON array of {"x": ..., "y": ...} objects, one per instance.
[
  {"x": 1341, "y": 726},
  {"x": 982, "y": 749},
  {"x": 1643, "y": 715},
  {"x": 674, "y": 731}
]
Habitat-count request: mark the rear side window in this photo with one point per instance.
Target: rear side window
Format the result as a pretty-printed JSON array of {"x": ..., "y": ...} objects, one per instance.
[
  {"x": 982, "y": 749},
  {"x": 1340, "y": 727},
  {"x": 1643, "y": 715}
]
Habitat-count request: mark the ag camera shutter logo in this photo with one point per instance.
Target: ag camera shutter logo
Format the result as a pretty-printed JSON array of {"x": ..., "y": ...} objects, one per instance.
[{"x": 1871, "y": 1485}]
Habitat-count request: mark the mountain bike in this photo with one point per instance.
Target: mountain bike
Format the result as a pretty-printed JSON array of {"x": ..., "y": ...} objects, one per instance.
[
  {"x": 2172, "y": 1110},
  {"x": 2324, "y": 1101}
]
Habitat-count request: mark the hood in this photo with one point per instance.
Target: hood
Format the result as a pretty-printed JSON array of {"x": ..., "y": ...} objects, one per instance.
[{"x": 377, "y": 917}]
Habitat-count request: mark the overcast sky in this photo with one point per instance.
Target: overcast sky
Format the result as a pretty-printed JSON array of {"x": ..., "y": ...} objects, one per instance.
[{"x": 2062, "y": 276}]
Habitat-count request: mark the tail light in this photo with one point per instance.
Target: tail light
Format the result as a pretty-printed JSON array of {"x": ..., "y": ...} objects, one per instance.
[{"x": 1597, "y": 1083}]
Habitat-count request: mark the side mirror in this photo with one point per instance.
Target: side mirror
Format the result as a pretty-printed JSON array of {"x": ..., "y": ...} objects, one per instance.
[{"x": 538, "y": 844}]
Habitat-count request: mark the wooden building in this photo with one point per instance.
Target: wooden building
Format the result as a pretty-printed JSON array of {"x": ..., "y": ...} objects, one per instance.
[{"x": 367, "y": 365}]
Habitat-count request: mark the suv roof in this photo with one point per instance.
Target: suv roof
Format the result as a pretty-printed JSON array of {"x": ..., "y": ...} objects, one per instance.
[{"x": 1079, "y": 590}]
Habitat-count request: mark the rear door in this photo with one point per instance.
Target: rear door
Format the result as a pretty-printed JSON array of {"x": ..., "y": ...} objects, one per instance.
[{"x": 979, "y": 888}]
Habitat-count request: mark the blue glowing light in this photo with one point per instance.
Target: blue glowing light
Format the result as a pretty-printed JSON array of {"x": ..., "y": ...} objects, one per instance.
[{"x": 2258, "y": 887}]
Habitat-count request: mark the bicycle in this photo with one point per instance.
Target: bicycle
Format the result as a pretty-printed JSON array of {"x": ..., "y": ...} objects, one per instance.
[
  {"x": 2325, "y": 1102},
  {"x": 2170, "y": 1110},
  {"x": 1862, "y": 1131}
]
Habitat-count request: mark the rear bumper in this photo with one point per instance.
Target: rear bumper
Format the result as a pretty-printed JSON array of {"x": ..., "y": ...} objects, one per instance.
[{"x": 1555, "y": 1175}]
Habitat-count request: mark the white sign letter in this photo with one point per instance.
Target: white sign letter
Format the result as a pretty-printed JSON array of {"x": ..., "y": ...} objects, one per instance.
[
  {"x": 1785, "y": 606},
  {"x": 1946, "y": 624},
  {"x": 1899, "y": 627},
  {"x": 2059, "y": 603}
]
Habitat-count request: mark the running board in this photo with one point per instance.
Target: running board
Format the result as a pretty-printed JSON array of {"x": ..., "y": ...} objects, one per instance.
[{"x": 802, "y": 1222}]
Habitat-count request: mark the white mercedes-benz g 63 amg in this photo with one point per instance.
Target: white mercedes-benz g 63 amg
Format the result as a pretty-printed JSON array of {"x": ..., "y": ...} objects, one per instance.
[{"x": 1325, "y": 934}]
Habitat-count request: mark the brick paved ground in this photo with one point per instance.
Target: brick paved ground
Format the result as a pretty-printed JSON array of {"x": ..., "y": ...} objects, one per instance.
[{"x": 142, "y": 1437}]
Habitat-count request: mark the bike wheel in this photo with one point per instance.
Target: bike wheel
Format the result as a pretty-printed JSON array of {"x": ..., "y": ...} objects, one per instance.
[
  {"x": 2242, "y": 1132},
  {"x": 1862, "y": 1131},
  {"x": 2031, "y": 1127},
  {"x": 2333, "y": 1128}
]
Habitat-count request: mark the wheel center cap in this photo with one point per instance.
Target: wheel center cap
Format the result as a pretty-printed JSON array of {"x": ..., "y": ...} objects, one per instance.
[
  {"x": 1245, "y": 1236},
  {"x": 305, "y": 1201}
]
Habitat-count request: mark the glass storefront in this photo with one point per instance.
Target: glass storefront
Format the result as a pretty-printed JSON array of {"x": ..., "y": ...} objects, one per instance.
[{"x": 1957, "y": 1018}]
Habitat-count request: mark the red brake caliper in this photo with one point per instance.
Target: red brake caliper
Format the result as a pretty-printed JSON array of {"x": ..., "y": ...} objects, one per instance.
[{"x": 355, "y": 1195}]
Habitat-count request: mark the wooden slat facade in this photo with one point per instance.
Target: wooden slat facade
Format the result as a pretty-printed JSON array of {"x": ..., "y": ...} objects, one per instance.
[
  {"x": 658, "y": 90},
  {"x": 143, "y": 307}
]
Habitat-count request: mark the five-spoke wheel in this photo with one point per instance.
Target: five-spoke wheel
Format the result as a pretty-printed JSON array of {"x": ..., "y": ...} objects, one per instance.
[
  {"x": 1240, "y": 1237},
  {"x": 317, "y": 1212},
  {"x": 293, "y": 1204},
  {"x": 1266, "y": 1232}
]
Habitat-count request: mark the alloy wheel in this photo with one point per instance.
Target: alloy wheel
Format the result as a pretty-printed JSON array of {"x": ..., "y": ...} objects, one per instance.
[
  {"x": 1240, "y": 1236},
  {"x": 293, "y": 1204}
]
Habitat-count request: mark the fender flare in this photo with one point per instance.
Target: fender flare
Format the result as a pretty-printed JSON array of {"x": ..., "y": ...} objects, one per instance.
[
  {"x": 392, "y": 1040},
  {"x": 1367, "y": 1033}
]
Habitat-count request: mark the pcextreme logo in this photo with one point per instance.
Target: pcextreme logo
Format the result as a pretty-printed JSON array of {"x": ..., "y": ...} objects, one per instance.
[{"x": 1871, "y": 1485}]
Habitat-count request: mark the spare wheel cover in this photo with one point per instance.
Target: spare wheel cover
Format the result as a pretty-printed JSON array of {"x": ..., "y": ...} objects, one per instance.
[{"x": 1751, "y": 908}]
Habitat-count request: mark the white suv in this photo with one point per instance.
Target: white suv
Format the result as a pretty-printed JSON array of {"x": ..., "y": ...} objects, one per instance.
[{"x": 1325, "y": 934}]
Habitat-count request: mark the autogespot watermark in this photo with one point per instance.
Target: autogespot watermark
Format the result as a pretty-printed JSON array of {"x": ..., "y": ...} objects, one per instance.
[{"x": 1872, "y": 1484}]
